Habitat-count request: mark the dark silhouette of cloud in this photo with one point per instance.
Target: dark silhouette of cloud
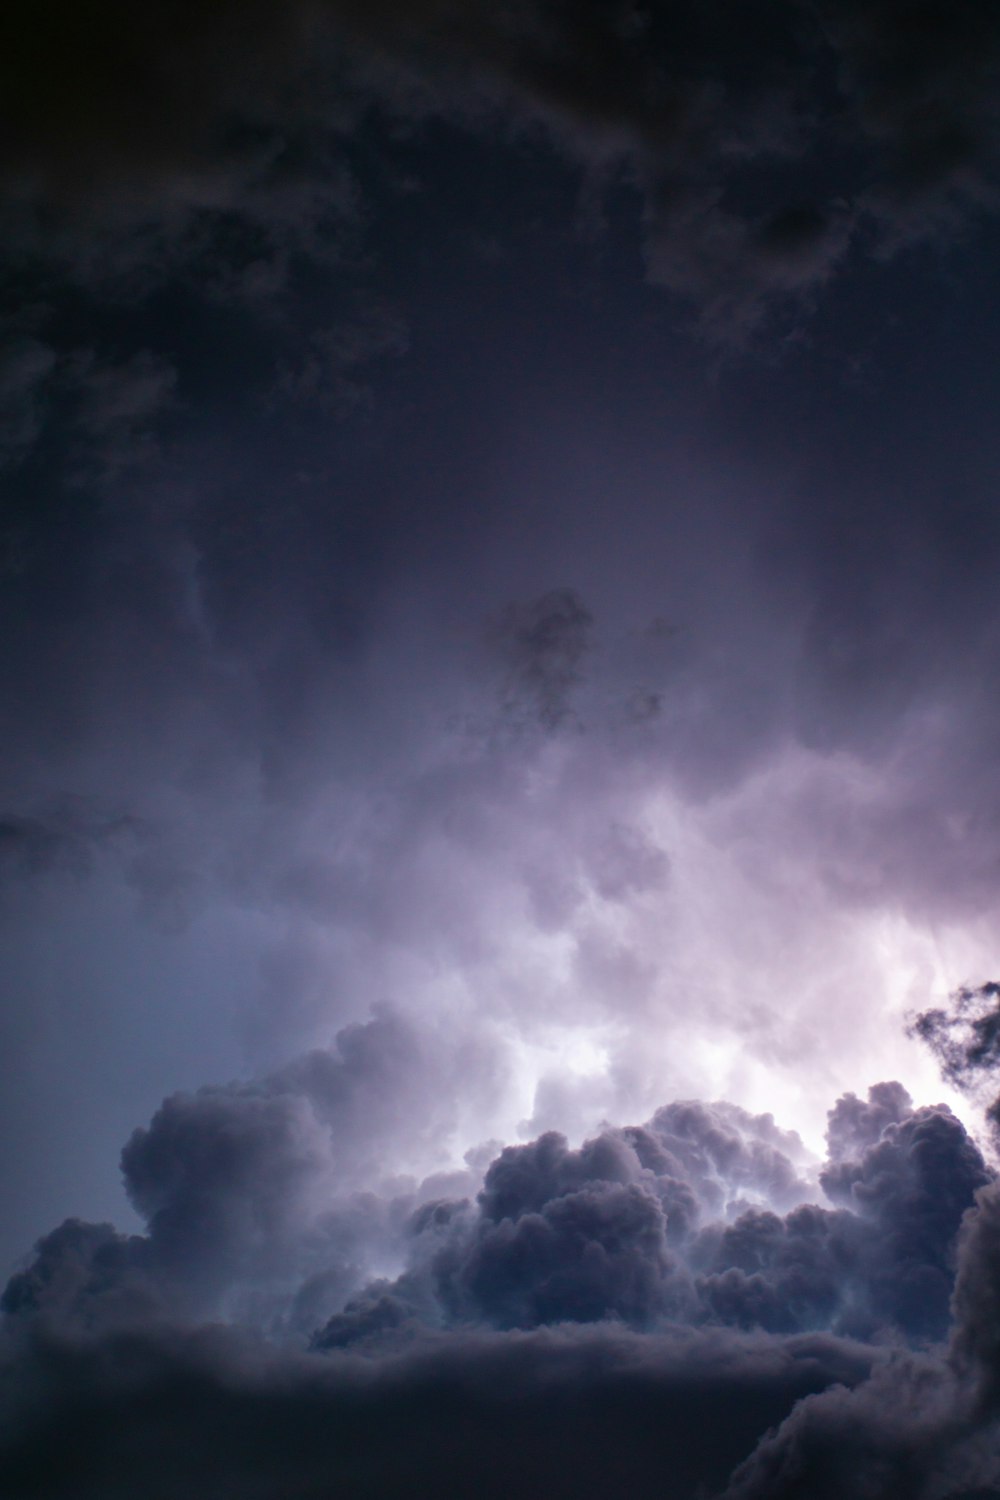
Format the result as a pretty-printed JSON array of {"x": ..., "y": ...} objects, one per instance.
[
  {"x": 965, "y": 1036},
  {"x": 654, "y": 1224},
  {"x": 564, "y": 1411},
  {"x": 611, "y": 1310}
]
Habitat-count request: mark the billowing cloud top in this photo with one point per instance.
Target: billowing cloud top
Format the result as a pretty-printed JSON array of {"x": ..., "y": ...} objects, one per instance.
[{"x": 669, "y": 1301}]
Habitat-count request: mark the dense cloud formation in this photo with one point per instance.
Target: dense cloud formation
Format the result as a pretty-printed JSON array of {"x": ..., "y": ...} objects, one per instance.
[
  {"x": 260, "y": 1197},
  {"x": 646, "y": 1306},
  {"x": 497, "y": 621},
  {"x": 677, "y": 1220},
  {"x": 565, "y": 1412}
]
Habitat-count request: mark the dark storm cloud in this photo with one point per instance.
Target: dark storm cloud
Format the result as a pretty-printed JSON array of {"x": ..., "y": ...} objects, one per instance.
[
  {"x": 89, "y": 1276},
  {"x": 542, "y": 730},
  {"x": 965, "y": 1036},
  {"x": 242, "y": 118},
  {"x": 672, "y": 1388},
  {"x": 900, "y": 1439},
  {"x": 729, "y": 1152},
  {"x": 920, "y": 1427},
  {"x": 888, "y": 1263},
  {"x": 596, "y": 1253},
  {"x": 975, "y": 1345},
  {"x": 264, "y": 1189},
  {"x": 856, "y": 1124},
  {"x": 561, "y": 1412},
  {"x": 250, "y": 1187},
  {"x": 660, "y": 1223}
]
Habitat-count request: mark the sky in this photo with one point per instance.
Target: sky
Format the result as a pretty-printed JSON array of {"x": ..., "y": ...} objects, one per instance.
[{"x": 499, "y": 624}]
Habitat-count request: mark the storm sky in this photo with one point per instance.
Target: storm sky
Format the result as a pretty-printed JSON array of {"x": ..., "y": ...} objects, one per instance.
[{"x": 500, "y": 631}]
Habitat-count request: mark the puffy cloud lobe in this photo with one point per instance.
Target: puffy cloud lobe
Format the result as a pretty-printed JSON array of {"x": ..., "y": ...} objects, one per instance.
[
  {"x": 653, "y": 1223},
  {"x": 597, "y": 1253},
  {"x": 87, "y": 1275},
  {"x": 855, "y": 1124},
  {"x": 777, "y": 1273},
  {"x": 729, "y": 1153},
  {"x": 885, "y": 1258},
  {"x": 220, "y": 1177},
  {"x": 921, "y": 1427},
  {"x": 258, "y": 1196},
  {"x": 524, "y": 1178},
  {"x": 596, "y": 1233},
  {"x": 914, "y": 1185}
]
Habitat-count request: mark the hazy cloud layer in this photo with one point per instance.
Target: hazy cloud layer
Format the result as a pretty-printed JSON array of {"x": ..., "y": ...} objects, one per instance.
[{"x": 763, "y": 140}]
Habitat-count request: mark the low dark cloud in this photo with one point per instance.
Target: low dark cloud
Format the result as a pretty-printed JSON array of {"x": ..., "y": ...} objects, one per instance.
[
  {"x": 622, "y": 1309},
  {"x": 562, "y": 1412}
]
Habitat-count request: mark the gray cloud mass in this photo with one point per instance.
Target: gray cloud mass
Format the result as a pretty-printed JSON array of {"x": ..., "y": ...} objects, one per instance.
[
  {"x": 498, "y": 634},
  {"x": 535, "y": 1330}
]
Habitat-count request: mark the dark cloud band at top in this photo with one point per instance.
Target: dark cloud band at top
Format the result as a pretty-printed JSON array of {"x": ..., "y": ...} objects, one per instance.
[{"x": 882, "y": 117}]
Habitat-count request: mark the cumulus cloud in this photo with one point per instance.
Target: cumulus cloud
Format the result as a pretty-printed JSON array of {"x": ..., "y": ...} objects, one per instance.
[
  {"x": 580, "y": 1291},
  {"x": 267, "y": 1197},
  {"x": 677, "y": 1220}
]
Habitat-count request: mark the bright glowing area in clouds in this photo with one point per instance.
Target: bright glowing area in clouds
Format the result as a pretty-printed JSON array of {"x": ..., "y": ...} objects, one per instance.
[{"x": 631, "y": 946}]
